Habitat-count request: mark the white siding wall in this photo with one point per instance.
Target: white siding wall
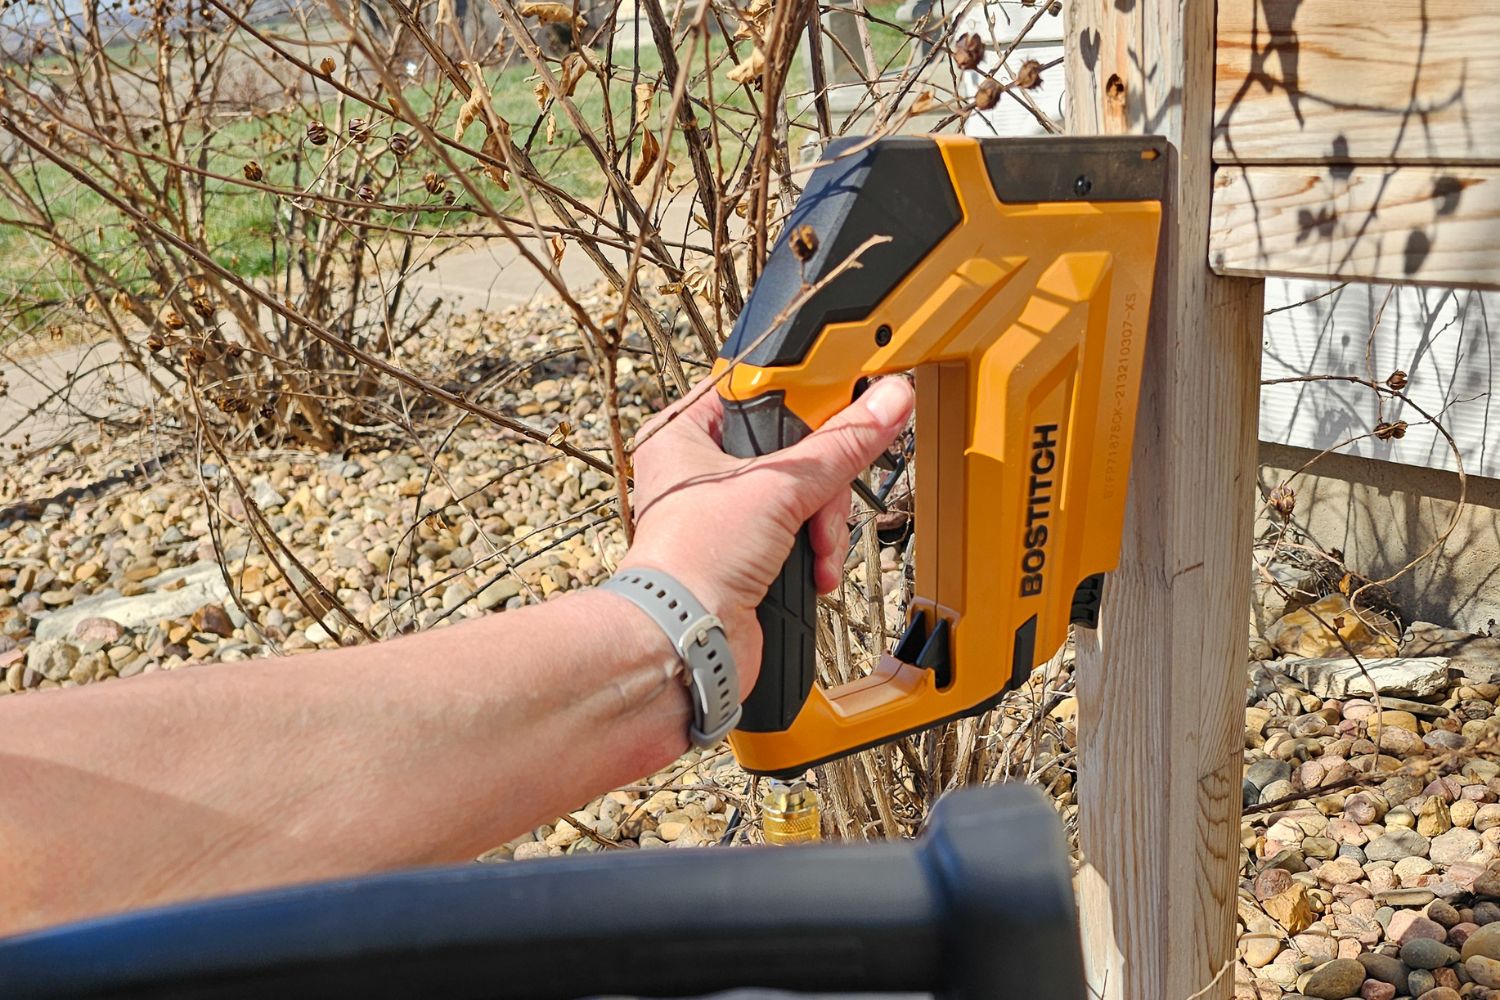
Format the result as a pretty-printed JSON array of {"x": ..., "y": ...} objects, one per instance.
[{"x": 1446, "y": 340}]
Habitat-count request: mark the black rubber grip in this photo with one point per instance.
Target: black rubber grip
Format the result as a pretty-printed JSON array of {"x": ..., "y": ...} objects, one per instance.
[
  {"x": 981, "y": 908},
  {"x": 788, "y": 614}
]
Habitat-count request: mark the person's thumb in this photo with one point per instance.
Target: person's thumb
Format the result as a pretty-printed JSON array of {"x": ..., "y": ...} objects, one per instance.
[{"x": 825, "y": 461}]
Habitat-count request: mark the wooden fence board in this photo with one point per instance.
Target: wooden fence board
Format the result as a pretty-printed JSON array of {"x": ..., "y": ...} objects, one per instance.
[
  {"x": 1161, "y": 683},
  {"x": 1431, "y": 225},
  {"x": 1349, "y": 80}
]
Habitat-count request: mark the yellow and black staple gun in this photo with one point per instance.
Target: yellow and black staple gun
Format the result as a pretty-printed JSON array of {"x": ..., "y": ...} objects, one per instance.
[{"x": 1016, "y": 282}]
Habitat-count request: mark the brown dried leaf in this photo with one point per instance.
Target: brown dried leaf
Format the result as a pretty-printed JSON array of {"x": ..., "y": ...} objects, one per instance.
[
  {"x": 573, "y": 69},
  {"x": 558, "y": 246},
  {"x": 474, "y": 106},
  {"x": 650, "y": 151},
  {"x": 924, "y": 103},
  {"x": 542, "y": 92},
  {"x": 749, "y": 70},
  {"x": 753, "y": 21},
  {"x": 548, "y": 12},
  {"x": 494, "y": 147},
  {"x": 643, "y": 94},
  {"x": 327, "y": 66},
  {"x": 551, "y": 128}
]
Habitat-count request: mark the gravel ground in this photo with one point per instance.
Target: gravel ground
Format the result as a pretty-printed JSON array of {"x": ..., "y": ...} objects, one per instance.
[{"x": 1371, "y": 843}]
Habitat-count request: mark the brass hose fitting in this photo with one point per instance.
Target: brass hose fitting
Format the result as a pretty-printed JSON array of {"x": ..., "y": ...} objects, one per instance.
[{"x": 789, "y": 813}]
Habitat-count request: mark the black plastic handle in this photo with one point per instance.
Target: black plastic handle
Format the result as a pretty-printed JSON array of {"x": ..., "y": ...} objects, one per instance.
[
  {"x": 788, "y": 615},
  {"x": 980, "y": 907}
]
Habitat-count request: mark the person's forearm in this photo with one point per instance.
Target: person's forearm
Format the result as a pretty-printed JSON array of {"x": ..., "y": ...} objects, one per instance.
[{"x": 230, "y": 777}]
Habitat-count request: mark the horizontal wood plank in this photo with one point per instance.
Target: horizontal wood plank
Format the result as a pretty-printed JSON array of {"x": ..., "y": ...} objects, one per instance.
[
  {"x": 1400, "y": 81},
  {"x": 1429, "y": 225}
]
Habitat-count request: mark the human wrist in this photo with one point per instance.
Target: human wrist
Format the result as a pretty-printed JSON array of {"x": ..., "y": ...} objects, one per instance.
[{"x": 698, "y": 638}]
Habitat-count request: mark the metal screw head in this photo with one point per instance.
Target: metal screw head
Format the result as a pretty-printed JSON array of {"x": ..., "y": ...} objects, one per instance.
[
  {"x": 1082, "y": 185},
  {"x": 883, "y": 335}
]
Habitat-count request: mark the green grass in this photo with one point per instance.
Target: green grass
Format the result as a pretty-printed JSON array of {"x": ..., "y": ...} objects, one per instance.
[{"x": 242, "y": 229}]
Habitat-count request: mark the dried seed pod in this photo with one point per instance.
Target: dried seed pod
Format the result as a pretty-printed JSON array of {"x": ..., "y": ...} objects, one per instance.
[
  {"x": 804, "y": 243},
  {"x": 1398, "y": 380},
  {"x": 193, "y": 357},
  {"x": 365, "y": 192},
  {"x": 233, "y": 350},
  {"x": 968, "y": 50},
  {"x": 1283, "y": 500},
  {"x": 1386, "y": 430},
  {"x": 253, "y": 171},
  {"x": 327, "y": 66},
  {"x": 1029, "y": 76},
  {"x": 987, "y": 96},
  {"x": 433, "y": 183},
  {"x": 172, "y": 320},
  {"x": 317, "y": 132},
  {"x": 359, "y": 130},
  {"x": 449, "y": 197},
  {"x": 203, "y": 306},
  {"x": 400, "y": 144},
  {"x": 155, "y": 343}
]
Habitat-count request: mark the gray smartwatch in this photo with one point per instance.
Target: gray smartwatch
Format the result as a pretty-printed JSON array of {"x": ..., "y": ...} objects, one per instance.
[{"x": 699, "y": 639}]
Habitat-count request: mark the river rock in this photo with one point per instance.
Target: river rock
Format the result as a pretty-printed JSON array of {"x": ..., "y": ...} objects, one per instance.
[
  {"x": 1408, "y": 925},
  {"x": 1396, "y": 843},
  {"x": 1485, "y": 941},
  {"x": 53, "y": 660},
  {"x": 1425, "y": 953},
  {"x": 1335, "y": 980},
  {"x": 1385, "y": 968},
  {"x": 1453, "y": 846}
]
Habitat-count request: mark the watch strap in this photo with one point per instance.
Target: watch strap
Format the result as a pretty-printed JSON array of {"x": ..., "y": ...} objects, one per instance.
[{"x": 699, "y": 639}]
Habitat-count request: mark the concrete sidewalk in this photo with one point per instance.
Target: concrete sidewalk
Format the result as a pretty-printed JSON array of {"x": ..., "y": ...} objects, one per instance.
[{"x": 489, "y": 277}]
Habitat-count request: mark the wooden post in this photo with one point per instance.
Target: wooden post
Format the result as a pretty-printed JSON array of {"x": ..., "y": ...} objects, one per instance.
[{"x": 1161, "y": 684}]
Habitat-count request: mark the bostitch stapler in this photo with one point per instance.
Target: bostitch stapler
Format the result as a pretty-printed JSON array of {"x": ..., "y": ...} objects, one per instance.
[{"x": 1014, "y": 277}]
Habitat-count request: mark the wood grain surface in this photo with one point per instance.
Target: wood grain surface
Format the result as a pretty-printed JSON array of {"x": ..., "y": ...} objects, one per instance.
[
  {"x": 1428, "y": 225},
  {"x": 1402, "y": 81},
  {"x": 1161, "y": 682}
]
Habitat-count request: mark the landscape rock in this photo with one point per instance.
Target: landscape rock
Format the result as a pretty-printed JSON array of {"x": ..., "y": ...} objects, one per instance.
[
  {"x": 1453, "y": 846},
  {"x": 102, "y": 631},
  {"x": 1397, "y": 843},
  {"x": 1484, "y": 971},
  {"x": 1385, "y": 968},
  {"x": 1335, "y": 980},
  {"x": 201, "y": 583},
  {"x": 1485, "y": 942},
  {"x": 51, "y": 659},
  {"x": 1338, "y": 677},
  {"x": 1365, "y": 633},
  {"x": 1425, "y": 953}
]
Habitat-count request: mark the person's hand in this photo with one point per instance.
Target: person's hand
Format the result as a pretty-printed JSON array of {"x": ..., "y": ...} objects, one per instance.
[{"x": 724, "y": 526}]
